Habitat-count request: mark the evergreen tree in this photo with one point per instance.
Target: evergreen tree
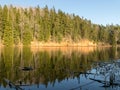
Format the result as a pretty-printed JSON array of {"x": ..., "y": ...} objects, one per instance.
[
  {"x": 8, "y": 32},
  {"x": 27, "y": 36},
  {"x": 24, "y": 25},
  {"x": 1, "y": 29}
]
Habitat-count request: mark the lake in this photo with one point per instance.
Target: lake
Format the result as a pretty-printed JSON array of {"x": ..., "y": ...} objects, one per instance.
[{"x": 60, "y": 68}]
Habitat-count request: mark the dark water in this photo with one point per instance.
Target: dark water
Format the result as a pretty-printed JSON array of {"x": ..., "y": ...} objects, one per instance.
[{"x": 60, "y": 68}]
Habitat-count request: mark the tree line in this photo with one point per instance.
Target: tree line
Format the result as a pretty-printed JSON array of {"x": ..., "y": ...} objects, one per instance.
[{"x": 23, "y": 25}]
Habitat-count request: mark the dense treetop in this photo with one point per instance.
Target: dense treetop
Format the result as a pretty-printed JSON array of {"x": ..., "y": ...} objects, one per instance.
[{"x": 24, "y": 25}]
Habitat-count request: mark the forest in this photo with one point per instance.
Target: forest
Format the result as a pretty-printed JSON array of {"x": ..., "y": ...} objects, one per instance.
[{"x": 20, "y": 25}]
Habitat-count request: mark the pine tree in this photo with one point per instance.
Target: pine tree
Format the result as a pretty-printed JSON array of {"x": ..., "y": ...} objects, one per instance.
[
  {"x": 1, "y": 29},
  {"x": 8, "y": 32},
  {"x": 24, "y": 25}
]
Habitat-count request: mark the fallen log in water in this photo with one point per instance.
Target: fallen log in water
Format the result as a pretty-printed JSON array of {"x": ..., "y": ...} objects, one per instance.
[
  {"x": 26, "y": 68},
  {"x": 12, "y": 85},
  {"x": 100, "y": 81},
  {"x": 106, "y": 83}
]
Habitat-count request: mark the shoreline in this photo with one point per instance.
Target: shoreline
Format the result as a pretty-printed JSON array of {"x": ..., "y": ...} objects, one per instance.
[
  {"x": 82, "y": 43},
  {"x": 63, "y": 44}
]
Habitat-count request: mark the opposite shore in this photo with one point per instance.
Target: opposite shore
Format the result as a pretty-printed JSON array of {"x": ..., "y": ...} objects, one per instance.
[{"x": 82, "y": 43}]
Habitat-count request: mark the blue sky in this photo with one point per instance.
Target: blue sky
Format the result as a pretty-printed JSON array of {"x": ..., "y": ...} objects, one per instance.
[{"x": 98, "y": 11}]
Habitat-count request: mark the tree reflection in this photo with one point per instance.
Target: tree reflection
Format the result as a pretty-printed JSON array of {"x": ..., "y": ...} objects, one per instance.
[
  {"x": 49, "y": 65},
  {"x": 110, "y": 72}
]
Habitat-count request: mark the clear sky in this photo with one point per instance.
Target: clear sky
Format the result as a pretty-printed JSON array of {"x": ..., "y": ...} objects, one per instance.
[{"x": 98, "y": 11}]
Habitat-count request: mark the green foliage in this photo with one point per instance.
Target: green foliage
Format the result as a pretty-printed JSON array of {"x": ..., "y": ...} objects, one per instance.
[
  {"x": 8, "y": 30},
  {"x": 1, "y": 29},
  {"x": 27, "y": 37},
  {"x": 23, "y": 25},
  {"x": 8, "y": 35}
]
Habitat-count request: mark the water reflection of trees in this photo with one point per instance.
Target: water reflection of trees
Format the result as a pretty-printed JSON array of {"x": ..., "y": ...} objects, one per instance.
[
  {"x": 49, "y": 66},
  {"x": 109, "y": 73}
]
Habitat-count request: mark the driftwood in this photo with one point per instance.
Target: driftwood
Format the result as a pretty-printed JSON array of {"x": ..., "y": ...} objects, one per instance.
[
  {"x": 100, "y": 81},
  {"x": 12, "y": 85},
  {"x": 109, "y": 70},
  {"x": 106, "y": 83},
  {"x": 83, "y": 72},
  {"x": 26, "y": 68}
]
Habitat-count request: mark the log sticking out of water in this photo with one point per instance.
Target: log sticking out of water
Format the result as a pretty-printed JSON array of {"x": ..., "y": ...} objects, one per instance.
[
  {"x": 26, "y": 68},
  {"x": 12, "y": 85},
  {"x": 100, "y": 81},
  {"x": 84, "y": 72},
  {"x": 106, "y": 82}
]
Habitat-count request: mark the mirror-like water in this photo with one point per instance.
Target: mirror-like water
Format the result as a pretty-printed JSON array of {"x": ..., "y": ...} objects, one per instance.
[{"x": 65, "y": 68}]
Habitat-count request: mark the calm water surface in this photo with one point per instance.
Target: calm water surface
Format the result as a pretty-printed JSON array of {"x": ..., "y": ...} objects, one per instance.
[{"x": 64, "y": 68}]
